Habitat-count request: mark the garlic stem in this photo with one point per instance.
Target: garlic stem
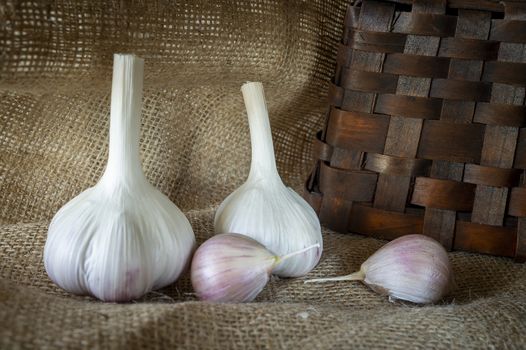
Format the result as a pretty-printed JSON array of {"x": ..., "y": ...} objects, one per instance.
[
  {"x": 279, "y": 259},
  {"x": 126, "y": 102},
  {"x": 263, "y": 165},
  {"x": 356, "y": 276}
]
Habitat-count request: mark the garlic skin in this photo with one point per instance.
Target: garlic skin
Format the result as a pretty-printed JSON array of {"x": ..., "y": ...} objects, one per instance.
[
  {"x": 231, "y": 267},
  {"x": 413, "y": 268},
  {"x": 121, "y": 238},
  {"x": 263, "y": 207}
]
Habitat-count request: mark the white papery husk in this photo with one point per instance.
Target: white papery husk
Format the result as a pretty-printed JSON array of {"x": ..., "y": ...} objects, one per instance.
[
  {"x": 121, "y": 238},
  {"x": 263, "y": 207}
]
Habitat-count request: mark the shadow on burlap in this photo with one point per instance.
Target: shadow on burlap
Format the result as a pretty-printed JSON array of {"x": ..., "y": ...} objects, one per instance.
[{"x": 55, "y": 78}]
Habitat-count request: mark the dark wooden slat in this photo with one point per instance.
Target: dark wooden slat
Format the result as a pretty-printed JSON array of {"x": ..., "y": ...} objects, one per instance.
[
  {"x": 382, "y": 223},
  {"x": 404, "y": 133},
  {"x": 382, "y": 42},
  {"x": 514, "y": 9},
  {"x": 494, "y": 240},
  {"x": 376, "y": 82},
  {"x": 469, "y": 49},
  {"x": 505, "y": 72},
  {"x": 461, "y": 90},
  {"x": 409, "y": 106},
  {"x": 520, "y": 245},
  {"x": 511, "y": 31},
  {"x": 500, "y": 114},
  {"x": 346, "y": 158},
  {"x": 487, "y": 5},
  {"x": 313, "y": 198},
  {"x": 452, "y": 142},
  {"x": 443, "y": 194},
  {"x": 336, "y": 181},
  {"x": 343, "y": 59},
  {"x": 520, "y": 154},
  {"x": 491, "y": 176},
  {"x": 357, "y": 130},
  {"x": 416, "y": 65},
  {"x": 432, "y": 24},
  {"x": 379, "y": 163},
  {"x": 390, "y": 165},
  {"x": 350, "y": 22},
  {"x": 518, "y": 202},
  {"x": 335, "y": 95},
  {"x": 320, "y": 149},
  {"x": 335, "y": 212}
]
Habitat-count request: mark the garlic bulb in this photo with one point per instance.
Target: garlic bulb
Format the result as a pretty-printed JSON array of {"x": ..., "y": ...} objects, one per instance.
[
  {"x": 414, "y": 268},
  {"x": 231, "y": 267},
  {"x": 121, "y": 238},
  {"x": 263, "y": 207}
]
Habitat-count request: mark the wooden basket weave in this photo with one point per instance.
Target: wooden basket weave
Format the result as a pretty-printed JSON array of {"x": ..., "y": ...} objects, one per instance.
[{"x": 424, "y": 133}]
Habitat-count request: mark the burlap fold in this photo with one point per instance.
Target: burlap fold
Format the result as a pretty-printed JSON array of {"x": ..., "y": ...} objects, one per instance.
[{"x": 55, "y": 79}]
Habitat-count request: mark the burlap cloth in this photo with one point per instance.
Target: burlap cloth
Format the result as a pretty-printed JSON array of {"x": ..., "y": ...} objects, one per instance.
[{"x": 55, "y": 74}]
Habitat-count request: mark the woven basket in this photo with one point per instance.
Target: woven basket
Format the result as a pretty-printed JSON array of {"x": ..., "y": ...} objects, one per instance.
[{"x": 424, "y": 133}]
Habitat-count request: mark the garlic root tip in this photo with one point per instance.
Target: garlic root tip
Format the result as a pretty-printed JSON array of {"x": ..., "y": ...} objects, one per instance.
[
  {"x": 279, "y": 259},
  {"x": 356, "y": 276}
]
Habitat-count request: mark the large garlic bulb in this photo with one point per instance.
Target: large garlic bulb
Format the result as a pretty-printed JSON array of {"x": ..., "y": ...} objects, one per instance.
[
  {"x": 121, "y": 238},
  {"x": 263, "y": 207}
]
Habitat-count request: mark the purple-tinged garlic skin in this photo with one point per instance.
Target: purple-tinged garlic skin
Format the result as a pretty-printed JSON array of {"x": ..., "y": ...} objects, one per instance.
[
  {"x": 413, "y": 268},
  {"x": 232, "y": 268}
]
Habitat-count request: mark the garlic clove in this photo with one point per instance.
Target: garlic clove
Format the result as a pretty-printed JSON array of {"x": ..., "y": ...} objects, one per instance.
[
  {"x": 263, "y": 207},
  {"x": 121, "y": 238},
  {"x": 413, "y": 268},
  {"x": 233, "y": 268}
]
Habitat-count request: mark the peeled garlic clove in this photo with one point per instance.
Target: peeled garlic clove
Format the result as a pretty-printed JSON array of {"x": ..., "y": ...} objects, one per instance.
[
  {"x": 121, "y": 238},
  {"x": 414, "y": 268},
  {"x": 231, "y": 267},
  {"x": 263, "y": 207}
]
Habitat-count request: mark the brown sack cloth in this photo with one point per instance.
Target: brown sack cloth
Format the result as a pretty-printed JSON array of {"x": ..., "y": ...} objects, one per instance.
[{"x": 55, "y": 79}]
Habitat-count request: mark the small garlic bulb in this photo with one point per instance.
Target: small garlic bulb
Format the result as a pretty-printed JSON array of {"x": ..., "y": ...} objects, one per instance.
[
  {"x": 263, "y": 207},
  {"x": 231, "y": 267},
  {"x": 414, "y": 268},
  {"x": 121, "y": 238}
]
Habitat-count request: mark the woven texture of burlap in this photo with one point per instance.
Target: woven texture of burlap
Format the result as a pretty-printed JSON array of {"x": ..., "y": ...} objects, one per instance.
[{"x": 55, "y": 79}]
